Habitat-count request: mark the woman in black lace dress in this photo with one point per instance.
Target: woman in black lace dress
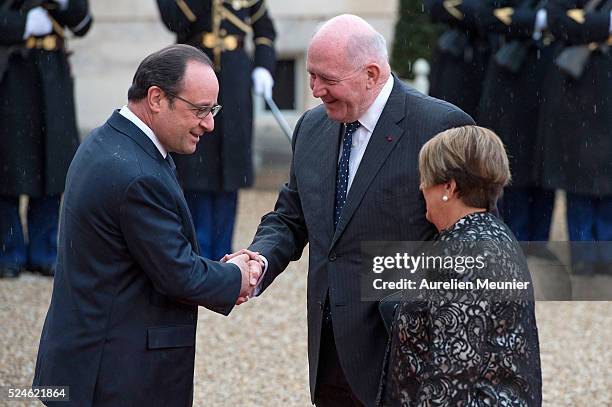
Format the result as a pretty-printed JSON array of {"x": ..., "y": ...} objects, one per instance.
[{"x": 466, "y": 347}]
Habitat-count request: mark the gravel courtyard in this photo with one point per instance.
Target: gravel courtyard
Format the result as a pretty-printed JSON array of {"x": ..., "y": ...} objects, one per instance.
[{"x": 257, "y": 356}]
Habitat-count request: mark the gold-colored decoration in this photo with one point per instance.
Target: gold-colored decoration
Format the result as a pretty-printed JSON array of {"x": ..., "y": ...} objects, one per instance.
[
  {"x": 610, "y": 40},
  {"x": 451, "y": 7},
  {"x": 31, "y": 42},
  {"x": 259, "y": 13},
  {"x": 504, "y": 14},
  {"x": 217, "y": 5},
  {"x": 230, "y": 43},
  {"x": 186, "y": 11},
  {"x": 48, "y": 42},
  {"x": 264, "y": 41},
  {"x": 209, "y": 40},
  {"x": 227, "y": 43},
  {"x": 576, "y": 14},
  {"x": 232, "y": 18},
  {"x": 59, "y": 30}
]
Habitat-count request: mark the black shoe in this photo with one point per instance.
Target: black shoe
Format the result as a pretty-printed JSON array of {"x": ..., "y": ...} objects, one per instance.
[
  {"x": 9, "y": 271},
  {"x": 48, "y": 271}
]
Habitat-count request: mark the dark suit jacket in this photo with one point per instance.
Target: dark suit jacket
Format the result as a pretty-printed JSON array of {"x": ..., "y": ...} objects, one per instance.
[
  {"x": 383, "y": 204},
  {"x": 121, "y": 326}
]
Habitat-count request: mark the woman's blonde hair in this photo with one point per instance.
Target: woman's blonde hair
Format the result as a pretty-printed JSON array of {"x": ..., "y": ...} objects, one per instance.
[{"x": 471, "y": 155}]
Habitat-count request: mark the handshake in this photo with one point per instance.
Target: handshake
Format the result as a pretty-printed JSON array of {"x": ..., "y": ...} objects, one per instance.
[{"x": 251, "y": 267}]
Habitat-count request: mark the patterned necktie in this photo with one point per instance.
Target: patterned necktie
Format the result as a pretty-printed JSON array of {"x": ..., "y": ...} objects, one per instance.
[{"x": 342, "y": 176}]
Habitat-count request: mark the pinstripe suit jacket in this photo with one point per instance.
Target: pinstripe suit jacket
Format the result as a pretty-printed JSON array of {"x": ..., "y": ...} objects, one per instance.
[{"x": 383, "y": 204}]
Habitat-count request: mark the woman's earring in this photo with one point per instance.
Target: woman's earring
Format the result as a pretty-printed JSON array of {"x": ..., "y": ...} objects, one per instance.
[{"x": 445, "y": 198}]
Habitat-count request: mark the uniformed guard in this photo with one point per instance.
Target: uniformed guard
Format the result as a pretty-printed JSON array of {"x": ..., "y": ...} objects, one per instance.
[
  {"x": 510, "y": 105},
  {"x": 462, "y": 53},
  {"x": 576, "y": 126},
  {"x": 223, "y": 163},
  {"x": 38, "y": 132}
]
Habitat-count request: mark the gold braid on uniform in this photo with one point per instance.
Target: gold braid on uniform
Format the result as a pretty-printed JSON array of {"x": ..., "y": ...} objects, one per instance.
[
  {"x": 264, "y": 41},
  {"x": 59, "y": 30},
  {"x": 451, "y": 8},
  {"x": 259, "y": 13},
  {"x": 231, "y": 17},
  {"x": 576, "y": 14},
  {"x": 504, "y": 14},
  {"x": 186, "y": 10}
]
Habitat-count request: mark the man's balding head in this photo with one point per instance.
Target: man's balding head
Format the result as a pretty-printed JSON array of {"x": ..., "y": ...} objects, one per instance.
[
  {"x": 348, "y": 65},
  {"x": 353, "y": 38}
]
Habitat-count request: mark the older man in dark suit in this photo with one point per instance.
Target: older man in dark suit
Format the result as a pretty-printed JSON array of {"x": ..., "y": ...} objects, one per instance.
[
  {"x": 353, "y": 178},
  {"x": 121, "y": 326}
]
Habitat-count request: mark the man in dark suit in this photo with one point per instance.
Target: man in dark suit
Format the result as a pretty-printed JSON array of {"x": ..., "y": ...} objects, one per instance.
[
  {"x": 121, "y": 326},
  {"x": 353, "y": 178}
]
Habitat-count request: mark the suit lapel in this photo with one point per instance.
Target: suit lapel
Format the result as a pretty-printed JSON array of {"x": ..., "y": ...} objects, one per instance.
[
  {"x": 384, "y": 138},
  {"x": 132, "y": 131}
]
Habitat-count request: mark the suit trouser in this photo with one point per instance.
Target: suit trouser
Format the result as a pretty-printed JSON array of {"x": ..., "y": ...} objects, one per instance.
[
  {"x": 589, "y": 219},
  {"x": 214, "y": 215},
  {"x": 527, "y": 212},
  {"x": 42, "y": 219},
  {"x": 332, "y": 388}
]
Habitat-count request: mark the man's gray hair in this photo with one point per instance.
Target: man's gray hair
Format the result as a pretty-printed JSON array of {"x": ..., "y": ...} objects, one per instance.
[{"x": 365, "y": 48}]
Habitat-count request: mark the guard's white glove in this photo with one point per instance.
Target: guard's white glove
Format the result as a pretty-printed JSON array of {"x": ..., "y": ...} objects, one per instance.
[
  {"x": 38, "y": 23},
  {"x": 63, "y": 4},
  {"x": 541, "y": 23},
  {"x": 262, "y": 82}
]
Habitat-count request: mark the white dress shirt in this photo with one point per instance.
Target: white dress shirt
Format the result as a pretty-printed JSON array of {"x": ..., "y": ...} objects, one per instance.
[
  {"x": 362, "y": 135},
  {"x": 361, "y": 138},
  {"x": 127, "y": 113}
]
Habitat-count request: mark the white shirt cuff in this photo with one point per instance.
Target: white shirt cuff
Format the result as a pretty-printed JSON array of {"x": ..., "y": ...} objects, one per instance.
[{"x": 257, "y": 290}]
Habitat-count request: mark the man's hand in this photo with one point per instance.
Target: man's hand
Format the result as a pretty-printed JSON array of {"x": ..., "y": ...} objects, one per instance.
[
  {"x": 262, "y": 82},
  {"x": 251, "y": 271},
  {"x": 255, "y": 265},
  {"x": 252, "y": 256}
]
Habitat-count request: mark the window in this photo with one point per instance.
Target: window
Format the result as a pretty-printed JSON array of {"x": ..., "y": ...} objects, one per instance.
[{"x": 283, "y": 92}]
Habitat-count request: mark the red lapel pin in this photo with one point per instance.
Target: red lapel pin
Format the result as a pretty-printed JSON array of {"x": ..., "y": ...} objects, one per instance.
[{"x": 389, "y": 139}]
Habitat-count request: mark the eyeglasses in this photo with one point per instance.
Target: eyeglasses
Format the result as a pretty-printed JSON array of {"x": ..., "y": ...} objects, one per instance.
[{"x": 200, "y": 111}]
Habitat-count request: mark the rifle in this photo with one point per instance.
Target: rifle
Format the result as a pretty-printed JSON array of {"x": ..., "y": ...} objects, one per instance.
[
  {"x": 573, "y": 59},
  {"x": 511, "y": 55}
]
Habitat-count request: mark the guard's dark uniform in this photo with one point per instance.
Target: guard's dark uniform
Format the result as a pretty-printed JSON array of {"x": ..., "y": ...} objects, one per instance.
[
  {"x": 576, "y": 128},
  {"x": 38, "y": 132},
  {"x": 222, "y": 163},
  {"x": 510, "y": 106},
  {"x": 462, "y": 53}
]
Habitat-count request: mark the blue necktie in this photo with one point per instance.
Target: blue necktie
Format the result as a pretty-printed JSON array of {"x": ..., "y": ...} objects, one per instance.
[{"x": 342, "y": 176}]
